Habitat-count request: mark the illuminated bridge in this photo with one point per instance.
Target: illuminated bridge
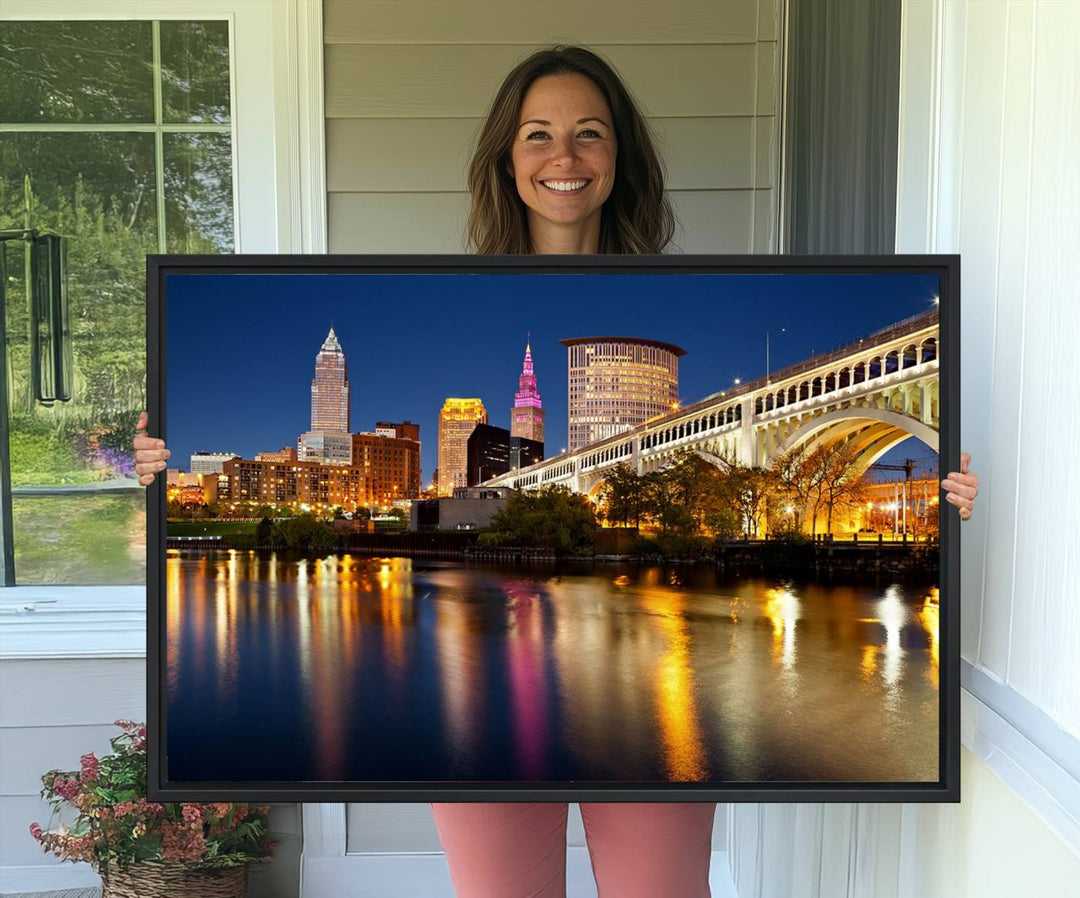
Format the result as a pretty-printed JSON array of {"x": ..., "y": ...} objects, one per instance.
[{"x": 875, "y": 392}]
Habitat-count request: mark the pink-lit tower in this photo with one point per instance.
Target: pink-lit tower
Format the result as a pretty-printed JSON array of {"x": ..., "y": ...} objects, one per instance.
[{"x": 527, "y": 415}]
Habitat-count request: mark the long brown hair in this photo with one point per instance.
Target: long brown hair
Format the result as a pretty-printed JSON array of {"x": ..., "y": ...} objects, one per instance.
[{"x": 637, "y": 216}]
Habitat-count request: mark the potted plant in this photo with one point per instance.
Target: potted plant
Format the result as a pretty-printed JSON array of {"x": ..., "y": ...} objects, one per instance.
[{"x": 141, "y": 847}]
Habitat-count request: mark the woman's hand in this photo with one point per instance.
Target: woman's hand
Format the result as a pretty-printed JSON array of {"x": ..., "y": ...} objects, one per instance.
[
  {"x": 150, "y": 454},
  {"x": 962, "y": 488}
]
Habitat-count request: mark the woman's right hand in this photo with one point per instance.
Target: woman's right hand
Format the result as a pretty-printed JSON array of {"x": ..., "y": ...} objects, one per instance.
[{"x": 150, "y": 453}]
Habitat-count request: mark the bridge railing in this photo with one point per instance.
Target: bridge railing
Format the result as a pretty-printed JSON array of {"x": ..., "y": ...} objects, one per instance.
[{"x": 882, "y": 335}]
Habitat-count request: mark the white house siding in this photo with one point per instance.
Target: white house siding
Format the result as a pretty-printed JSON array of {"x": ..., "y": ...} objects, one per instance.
[
  {"x": 56, "y": 709},
  {"x": 407, "y": 85},
  {"x": 989, "y": 143}
]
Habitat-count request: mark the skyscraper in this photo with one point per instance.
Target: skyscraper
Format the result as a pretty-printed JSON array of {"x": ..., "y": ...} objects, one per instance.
[
  {"x": 617, "y": 383},
  {"x": 328, "y": 440},
  {"x": 457, "y": 419},
  {"x": 488, "y": 453},
  {"x": 527, "y": 415},
  {"x": 330, "y": 388}
]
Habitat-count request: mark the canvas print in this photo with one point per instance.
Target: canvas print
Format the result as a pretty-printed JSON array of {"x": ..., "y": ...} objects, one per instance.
[{"x": 589, "y": 529}]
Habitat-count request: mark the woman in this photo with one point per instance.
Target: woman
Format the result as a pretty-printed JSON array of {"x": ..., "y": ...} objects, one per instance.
[{"x": 565, "y": 164}]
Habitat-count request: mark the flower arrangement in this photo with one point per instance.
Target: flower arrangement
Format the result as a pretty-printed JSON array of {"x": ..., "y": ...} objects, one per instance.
[{"x": 116, "y": 826}]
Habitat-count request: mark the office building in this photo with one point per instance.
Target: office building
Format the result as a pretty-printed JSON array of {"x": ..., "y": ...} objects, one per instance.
[
  {"x": 488, "y": 453},
  {"x": 616, "y": 383},
  {"x": 468, "y": 509},
  {"x": 330, "y": 389},
  {"x": 391, "y": 466},
  {"x": 525, "y": 452},
  {"x": 406, "y": 430},
  {"x": 386, "y": 470},
  {"x": 192, "y": 488},
  {"x": 209, "y": 462},
  {"x": 457, "y": 419},
  {"x": 325, "y": 448},
  {"x": 286, "y": 453}
]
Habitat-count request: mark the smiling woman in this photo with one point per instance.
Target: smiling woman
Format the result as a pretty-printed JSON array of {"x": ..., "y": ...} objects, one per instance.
[
  {"x": 560, "y": 118},
  {"x": 563, "y": 162}
]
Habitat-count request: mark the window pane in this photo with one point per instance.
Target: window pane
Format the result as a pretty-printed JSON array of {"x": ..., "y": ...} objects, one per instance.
[
  {"x": 97, "y": 190},
  {"x": 198, "y": 193},
  {"x": 82, "y": 540},
  {"x": 195, "y": 72},
  {"x": 78, "y": 515},
  {"x": 76, "y": 72}
]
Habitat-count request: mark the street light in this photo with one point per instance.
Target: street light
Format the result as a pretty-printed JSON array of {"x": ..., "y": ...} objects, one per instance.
[{"x": 775, "y": 330}]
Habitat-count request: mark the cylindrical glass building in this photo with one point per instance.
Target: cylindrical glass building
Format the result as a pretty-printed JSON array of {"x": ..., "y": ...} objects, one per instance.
[{"x": 616, "y": 383}]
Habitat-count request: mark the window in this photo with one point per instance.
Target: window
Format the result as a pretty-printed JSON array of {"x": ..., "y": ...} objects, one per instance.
[{"x": 117, "y": 135}]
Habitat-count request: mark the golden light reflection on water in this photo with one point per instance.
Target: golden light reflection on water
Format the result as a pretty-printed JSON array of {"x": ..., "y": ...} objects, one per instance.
[
  {"x": 893, "y": 616},
  {"x": 782, "y": 610},
  {"x": 680, "y": 729},
  {"x": 224, "y": 633},
  {"x": 396, "y": 615},
  {"x": 929, "y": 617},
  {"x": 331, "y": 632},
  {"x": 625, "y": 673},
  {"x": 174, "y": 612},
  {"x": 460, "y": 672}
]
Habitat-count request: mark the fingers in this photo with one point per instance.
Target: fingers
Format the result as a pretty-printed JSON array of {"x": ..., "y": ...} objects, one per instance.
[
  {"x": 965, "y": 485},
  {"x": 962, "y": 487},
  {"x": 150, "y": 453},
  {"x": 963, "y": 504}
]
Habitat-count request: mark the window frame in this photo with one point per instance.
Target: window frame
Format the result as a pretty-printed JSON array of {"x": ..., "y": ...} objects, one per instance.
[{"x": 276, "y": 58}]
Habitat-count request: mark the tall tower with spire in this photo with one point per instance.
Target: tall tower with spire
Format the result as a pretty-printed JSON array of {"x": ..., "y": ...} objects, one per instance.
[
  {"x": 330, "y": 388},
  {"x": 329, "y": 441},
  {"x": 527, "y": 415}
]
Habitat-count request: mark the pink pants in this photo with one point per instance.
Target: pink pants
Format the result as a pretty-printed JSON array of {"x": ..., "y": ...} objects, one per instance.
[{"x": 519, "y": 850}]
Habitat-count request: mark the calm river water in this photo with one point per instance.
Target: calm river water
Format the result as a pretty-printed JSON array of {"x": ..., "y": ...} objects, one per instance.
[{"x": 346, "y": 668}]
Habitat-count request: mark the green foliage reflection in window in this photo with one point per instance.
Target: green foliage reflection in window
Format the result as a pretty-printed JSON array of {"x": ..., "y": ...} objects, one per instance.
[{"x": 124, "y": 132}]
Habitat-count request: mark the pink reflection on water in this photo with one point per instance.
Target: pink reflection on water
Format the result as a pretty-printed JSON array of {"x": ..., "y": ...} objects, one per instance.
[{"x": 528, "y": 689}]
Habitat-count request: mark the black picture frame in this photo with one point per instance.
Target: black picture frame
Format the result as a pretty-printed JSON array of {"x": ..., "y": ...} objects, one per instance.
[{"x": 946, "y": 789}]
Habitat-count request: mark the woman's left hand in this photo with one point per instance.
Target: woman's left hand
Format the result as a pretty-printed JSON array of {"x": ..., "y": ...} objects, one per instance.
[{"x": 962, "y": 487}]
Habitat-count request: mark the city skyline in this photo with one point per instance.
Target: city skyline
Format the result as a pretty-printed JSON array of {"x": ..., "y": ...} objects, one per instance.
[{"x": 406, "y": 361}]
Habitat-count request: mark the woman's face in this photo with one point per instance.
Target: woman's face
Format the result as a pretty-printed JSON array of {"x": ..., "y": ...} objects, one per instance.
[{"x": 563, "y": 154}]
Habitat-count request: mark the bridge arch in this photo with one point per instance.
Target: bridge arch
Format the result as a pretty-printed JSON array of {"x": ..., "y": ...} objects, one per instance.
[
  {"x": 881, "y": 429},
  {"x": 594, "y": 491}
]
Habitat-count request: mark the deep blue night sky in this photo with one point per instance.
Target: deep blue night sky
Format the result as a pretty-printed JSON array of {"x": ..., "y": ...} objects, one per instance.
[{"x": 241, "y": 348}]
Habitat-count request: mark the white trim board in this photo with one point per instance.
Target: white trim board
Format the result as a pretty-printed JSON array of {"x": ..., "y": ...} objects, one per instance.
[
  {"x": 1047, "y": 787},
  {"x": 42, "y": 622}
]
